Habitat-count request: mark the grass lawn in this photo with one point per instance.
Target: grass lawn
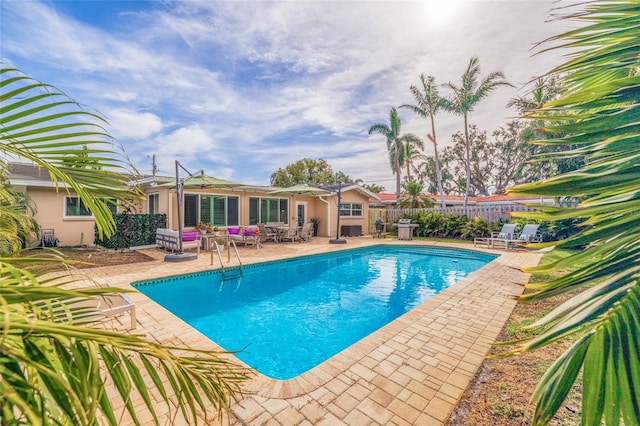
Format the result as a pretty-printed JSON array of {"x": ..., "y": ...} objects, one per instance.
[{"x": 501, "y": 391}]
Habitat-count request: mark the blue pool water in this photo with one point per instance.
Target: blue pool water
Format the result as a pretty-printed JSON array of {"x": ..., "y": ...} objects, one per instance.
[{"x": 289, "y": 316}]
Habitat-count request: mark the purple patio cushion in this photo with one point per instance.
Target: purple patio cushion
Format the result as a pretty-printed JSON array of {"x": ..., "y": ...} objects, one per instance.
[
  {"x": 233, "y": 231},
  {"x": 190, "y": 236},
  {"x": 250, "y": 231}
]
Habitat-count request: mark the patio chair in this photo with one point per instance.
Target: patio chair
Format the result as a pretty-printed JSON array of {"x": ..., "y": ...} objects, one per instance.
[
  {"x": 96, "y": 308},
  {"x": 506, "y": 233},
  {"x": 290, "y": 234},
  {"x": 529, "y": 234},
  {"x": 267, "y": 234},
  {"x": 307, "y": 231}
]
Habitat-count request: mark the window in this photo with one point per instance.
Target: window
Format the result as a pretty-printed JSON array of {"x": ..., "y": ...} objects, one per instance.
[
  {"x": 153, "y": 203},
  {"x": 351, "y": 209},
  {"x": 190, "y": 210},
  {"x": 263, "y": 210},
  {"x": 74, "y": 207},
  {"x": 219, "y": 210}
]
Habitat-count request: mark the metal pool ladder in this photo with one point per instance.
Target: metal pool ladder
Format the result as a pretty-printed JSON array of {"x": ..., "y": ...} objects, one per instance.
[{"x": 235, "y": 248}]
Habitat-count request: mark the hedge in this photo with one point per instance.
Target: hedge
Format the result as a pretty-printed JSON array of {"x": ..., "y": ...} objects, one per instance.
[{"x": 133, "y": 230}]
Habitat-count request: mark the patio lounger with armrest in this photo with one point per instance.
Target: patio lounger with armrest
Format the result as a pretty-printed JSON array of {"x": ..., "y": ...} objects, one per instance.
[
  {"x": 529, "y": 234},
  {"x": 506, "y": 233},
  {"x": 92, "y": 309}
]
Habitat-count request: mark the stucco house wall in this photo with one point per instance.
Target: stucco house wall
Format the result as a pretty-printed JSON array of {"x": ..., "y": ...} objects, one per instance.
[{"x": 49, "y": 214}]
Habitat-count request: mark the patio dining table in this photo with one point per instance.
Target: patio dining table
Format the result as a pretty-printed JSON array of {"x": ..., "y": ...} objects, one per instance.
[{"x": 277, "y": 229}]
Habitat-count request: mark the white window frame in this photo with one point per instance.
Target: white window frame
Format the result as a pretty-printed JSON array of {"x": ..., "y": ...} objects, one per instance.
[
  {"x": 153, "y": 196},
  {"x": 73, "y": 217},
  {"x": 343, "y": 207}
]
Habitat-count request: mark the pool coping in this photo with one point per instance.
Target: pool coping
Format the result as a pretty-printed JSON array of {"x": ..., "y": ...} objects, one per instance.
[{"x": 411, "y": 371}]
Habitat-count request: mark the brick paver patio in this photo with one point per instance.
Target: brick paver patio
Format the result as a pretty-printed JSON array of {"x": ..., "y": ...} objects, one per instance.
[{"x": 410, "y": 372}]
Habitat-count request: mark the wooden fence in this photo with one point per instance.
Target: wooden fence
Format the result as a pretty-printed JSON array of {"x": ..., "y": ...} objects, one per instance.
[{"x": 490, "y": 213}]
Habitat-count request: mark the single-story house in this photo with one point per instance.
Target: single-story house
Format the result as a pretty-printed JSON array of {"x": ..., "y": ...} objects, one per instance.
[
  {"x": 250, "y": 204},
  {"x": 245, "y": 205}
]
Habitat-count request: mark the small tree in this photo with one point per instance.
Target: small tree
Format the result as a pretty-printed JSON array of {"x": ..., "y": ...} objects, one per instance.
[
  {"x": 307, "y": 171},
  {"x": 415, "y": 199}
]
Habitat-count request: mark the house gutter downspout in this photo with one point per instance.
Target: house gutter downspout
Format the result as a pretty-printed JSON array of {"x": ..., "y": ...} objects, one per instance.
[{"x": 328, "y": 215}]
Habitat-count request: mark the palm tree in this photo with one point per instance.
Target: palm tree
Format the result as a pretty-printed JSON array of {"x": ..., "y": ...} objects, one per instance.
[
  {"x": 412, "y": 151},
  {"x": 428, "y": 102},
  {"x": 53, "y": 371},
  {"x": 415, "y": 199},
  {"x": 395, "y": 143},
  {"x": 465, "y": 98},
  {"x": 601, "y": 77},
  {"x": 545, "y": 90}
]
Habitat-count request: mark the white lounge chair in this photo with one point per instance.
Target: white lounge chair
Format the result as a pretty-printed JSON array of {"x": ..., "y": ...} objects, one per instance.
[
  {"x": 529, "y": 234},
  {"x": 506, "y": 233},
  {"x": 96, "y": 308}
]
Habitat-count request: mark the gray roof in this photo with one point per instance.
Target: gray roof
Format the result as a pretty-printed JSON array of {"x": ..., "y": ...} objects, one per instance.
[{"x": 27, "y": 172}]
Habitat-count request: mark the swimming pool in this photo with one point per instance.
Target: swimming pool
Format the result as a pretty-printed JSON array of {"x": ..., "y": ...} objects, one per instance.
[{"x": 289, "y": 316}]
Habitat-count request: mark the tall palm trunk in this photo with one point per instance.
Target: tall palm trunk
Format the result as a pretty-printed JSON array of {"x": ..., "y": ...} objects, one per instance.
[
  {"x": 467, "y": 149},
  {"x": 398, "y": 170},
  {"x": 432, "y": 138}
]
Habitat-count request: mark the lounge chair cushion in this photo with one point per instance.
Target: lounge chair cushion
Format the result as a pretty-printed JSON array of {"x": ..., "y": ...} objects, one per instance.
[
  {"x": 233, "y": 231},
  {"x": 190, "y": 236},
  {"x": 250, "y": 231}
]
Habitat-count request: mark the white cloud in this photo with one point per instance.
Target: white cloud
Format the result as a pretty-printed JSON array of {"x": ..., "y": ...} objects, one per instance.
[
  {"x": 129, "y": 124},
  {"x": 247, "y": 87}
]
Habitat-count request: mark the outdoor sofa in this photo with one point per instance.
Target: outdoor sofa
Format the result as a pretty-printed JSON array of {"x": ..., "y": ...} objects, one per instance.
[{"x": 168, "y": 239}]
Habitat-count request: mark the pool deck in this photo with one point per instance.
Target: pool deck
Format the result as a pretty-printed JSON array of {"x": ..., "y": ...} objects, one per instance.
[{"x": 412, "y": 371}]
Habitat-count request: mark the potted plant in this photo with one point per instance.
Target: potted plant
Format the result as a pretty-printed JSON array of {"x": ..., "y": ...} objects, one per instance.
[
  {"x": 204, "y": 227},
  {"x": 222, "y": 242},
  {"x": 316, "y": 222}
]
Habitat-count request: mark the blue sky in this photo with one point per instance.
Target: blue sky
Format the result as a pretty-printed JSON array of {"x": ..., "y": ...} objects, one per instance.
[{"x": 242, "y": 88}]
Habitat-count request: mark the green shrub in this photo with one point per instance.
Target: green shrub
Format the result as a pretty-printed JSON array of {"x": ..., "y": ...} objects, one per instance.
[
  {"x": 436, "y": 225},
  {"x": 476, "y": 227}
]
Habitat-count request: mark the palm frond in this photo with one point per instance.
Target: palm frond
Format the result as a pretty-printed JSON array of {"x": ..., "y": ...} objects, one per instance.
[
  {"x": 42, "y": 125},
  {"x": 601, "y": 102}
]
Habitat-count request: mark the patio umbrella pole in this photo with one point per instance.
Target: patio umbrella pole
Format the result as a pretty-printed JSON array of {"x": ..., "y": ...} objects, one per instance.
[
  {"x": 337, "y": 239},
  {"x": 180, "y": 256}
]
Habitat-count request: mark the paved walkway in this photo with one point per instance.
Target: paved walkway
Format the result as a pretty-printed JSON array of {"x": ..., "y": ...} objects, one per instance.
[{"x": 410, "y": 372}]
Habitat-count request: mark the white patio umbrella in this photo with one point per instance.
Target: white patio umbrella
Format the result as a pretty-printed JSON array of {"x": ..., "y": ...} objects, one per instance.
[{"x": 300, "y": 189}]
